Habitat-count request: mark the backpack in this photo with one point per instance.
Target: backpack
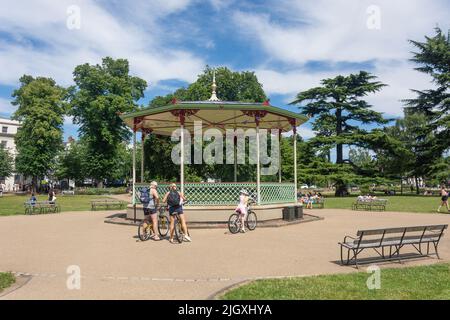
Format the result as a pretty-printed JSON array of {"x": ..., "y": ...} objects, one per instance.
[
  {"x": 173, "y": 199},
  {"x": 144, "y": 196}
]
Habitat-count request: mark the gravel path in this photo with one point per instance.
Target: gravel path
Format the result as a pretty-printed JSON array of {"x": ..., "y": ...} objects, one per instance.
[{"x": 115, "y": 265}]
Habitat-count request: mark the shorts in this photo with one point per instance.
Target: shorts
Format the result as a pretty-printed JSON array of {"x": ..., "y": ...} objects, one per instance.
[
  {"x": 148, "y": 211},
  {"x": 241, "y": 210},
  {"x": 444, "y": 198},
  {"x": 175, "y": 210}
]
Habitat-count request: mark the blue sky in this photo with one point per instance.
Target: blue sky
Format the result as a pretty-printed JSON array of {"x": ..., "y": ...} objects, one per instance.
[{"x": 291, "y": 45}]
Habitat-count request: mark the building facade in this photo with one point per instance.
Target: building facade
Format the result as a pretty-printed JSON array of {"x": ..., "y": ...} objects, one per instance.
[{"x": 8, "y": 129}]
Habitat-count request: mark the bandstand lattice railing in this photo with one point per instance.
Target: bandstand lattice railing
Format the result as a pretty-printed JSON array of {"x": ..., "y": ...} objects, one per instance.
[{"x": 213, "y": 194}]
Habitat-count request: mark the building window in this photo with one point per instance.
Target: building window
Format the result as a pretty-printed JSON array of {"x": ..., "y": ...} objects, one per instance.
[{"x": 4, "y": 129}]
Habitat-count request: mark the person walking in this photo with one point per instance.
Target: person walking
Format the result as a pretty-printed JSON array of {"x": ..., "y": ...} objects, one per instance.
[{"x": 444, "y": 199}]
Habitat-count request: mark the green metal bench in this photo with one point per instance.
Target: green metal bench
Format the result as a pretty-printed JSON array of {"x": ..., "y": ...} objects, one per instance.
[
  {"x": 392, "y": 238},
  {"x": 41, "y": 207},
  {"x": 107, "y": 204},
  {"x": 370, "y": 205}
]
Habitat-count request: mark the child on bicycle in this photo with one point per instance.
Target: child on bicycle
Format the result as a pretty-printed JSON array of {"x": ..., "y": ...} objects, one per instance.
[
  {"x": 175, "y": 200},
  {"x": 242, "y": 208}
]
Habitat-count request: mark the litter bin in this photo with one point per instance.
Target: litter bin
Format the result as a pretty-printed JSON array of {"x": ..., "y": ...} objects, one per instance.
[
  {"x": 289, "y": 213},
  {"x": 299, "y": 211}
]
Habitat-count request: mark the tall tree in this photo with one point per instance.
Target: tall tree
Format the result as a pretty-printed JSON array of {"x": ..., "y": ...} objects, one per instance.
[
  {"x": 433, "y": 58},
  {"x": 102, "y": 92},
  {"x": 41, "y": 108},
  {"x": 6, "y": 162},
  {"x": 338, "y": 110},
  {"x": 412, "y": 158}
]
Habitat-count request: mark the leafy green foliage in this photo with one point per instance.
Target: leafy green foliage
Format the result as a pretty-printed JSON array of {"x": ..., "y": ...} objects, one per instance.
[
  {"x": 433, "y": 58},
  {"x": 71, "y": 162},
  {"x": 6, "y": 162},
  {"x": 231, "y": 86},
  {"x": 338, "y": 109},
  {"x": 102, "y": 92},
  {"x": 41, "y": 108}
]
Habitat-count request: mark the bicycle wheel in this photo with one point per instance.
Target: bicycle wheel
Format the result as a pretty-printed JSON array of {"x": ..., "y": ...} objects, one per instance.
[
  {"x": 178, "y": 232},
  {"x": 251, "y": 221},
  {"x": 234, "y": 223},
  {"x": 145, "y": 230},
  {"x": 163, "y": 225}
]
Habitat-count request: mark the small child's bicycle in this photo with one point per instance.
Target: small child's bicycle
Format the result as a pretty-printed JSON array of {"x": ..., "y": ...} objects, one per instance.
[{"x": 235, "y": 221}]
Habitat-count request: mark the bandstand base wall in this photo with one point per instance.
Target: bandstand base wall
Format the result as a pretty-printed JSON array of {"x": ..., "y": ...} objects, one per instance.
[{"x": 217, "y": 214}]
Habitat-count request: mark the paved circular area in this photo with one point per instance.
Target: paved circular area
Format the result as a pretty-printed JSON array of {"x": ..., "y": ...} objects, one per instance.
[{"x": 115, "y": 265}]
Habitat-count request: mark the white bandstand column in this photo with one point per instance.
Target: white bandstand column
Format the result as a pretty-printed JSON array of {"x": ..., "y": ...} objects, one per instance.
[
  {"x": 235, "y": 157},
  {"x": 295, "y": 162},
  {"x": 182, "y": 160},
  {"x": 258, "y": 169},
  {"x": 134, "y": 166},
  {"x": 279, "y": 156},
  {"x": 142, "y": 156}
]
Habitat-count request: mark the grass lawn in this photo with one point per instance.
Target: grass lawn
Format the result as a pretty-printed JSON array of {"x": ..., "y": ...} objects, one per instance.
[
  {"x": 12, "y": 205},
  {"x": 426, "y": 204},
  {"x": 422, "y": 283},
  {"x": 6, "y": 280}
]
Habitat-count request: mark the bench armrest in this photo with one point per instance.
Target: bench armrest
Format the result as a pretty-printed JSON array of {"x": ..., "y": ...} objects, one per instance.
[{"x": 345, "y": 238}]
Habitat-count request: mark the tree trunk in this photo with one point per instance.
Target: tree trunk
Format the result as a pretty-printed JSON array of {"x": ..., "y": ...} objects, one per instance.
[
  {"x": 33, "y": 184},
  {"x": 339, "y": 146},
  {"x": 417, "y": 185},
  {"x": 401, "y": 185},
  {"x": 341, "y": 189}
]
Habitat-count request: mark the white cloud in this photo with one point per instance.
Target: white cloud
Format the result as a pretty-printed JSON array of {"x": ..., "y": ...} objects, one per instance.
[
  {"x": 400, "y": 78},
  {"x": 305, "y": 132},
  {"x": 337, "y": 30},
  {"x": 39, "y": 43}
]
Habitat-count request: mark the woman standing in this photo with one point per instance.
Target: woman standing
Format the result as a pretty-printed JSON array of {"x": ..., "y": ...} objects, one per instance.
[
  {"x": 175, "y": 200},
  {"x": 444, "y": 199}
]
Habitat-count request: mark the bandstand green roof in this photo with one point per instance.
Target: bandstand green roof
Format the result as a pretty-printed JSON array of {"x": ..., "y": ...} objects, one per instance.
[{"x": 213, "y": 114}]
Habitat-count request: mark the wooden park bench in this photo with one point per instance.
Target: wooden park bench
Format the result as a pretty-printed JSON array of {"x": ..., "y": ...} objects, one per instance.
[
  {"x": 370, "y": 205},
  {"x": 107, "y": 204},
  {"x": 395, "y": 239},
  {"x": 41, "y": 207},
  {"x": 68, "y": 192}
]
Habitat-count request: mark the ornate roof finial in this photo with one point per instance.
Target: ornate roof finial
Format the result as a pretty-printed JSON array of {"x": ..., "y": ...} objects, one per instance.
[{"x": 214, "y": 87}]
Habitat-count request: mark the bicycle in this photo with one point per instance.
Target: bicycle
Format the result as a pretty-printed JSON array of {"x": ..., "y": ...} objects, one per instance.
[
  {"x": 145, "y": 228},
  {"x": 235, "y": 221}
]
